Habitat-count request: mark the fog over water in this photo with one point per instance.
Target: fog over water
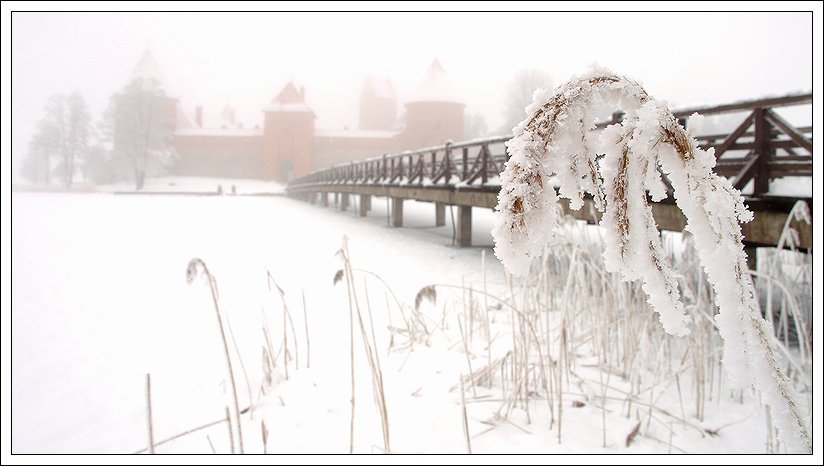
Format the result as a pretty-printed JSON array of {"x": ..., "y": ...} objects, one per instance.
[{"x": 244, "y": 59}]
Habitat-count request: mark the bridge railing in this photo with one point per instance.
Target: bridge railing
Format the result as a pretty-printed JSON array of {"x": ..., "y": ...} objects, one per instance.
[
  {"x": 763, "y": 146},
  {"x": 477, "y": 162},
  {"x": 772, "y": 148}
]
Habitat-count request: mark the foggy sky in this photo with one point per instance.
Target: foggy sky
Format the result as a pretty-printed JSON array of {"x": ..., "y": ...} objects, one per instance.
[{"x": 244, "y": 59}]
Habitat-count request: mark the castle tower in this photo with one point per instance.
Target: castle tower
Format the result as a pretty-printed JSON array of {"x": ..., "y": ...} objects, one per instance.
[
  {"x": 147, "y": 75},
  {"x": 147, "y": 70},
  {"x": 377, "y": 105},
  {"x": 435, "y": 113},
  {"x": 145, "y": 116},
  {"x": 288, "y": 129}
]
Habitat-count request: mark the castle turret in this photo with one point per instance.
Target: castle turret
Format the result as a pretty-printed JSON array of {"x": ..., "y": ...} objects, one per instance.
[
  {"x": 145, "y": 93},
  {"x": 163, "y": 107},
  {"x": 147, "y": 70},
  {"x": 435, "y": 112},
  {"x": 288, "y": 129}
]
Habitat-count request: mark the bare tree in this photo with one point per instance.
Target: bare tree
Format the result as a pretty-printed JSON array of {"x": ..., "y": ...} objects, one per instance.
[
  {"x": 519, "y": 95},
  {"x": 44, "y": 145},
  {"x": 62, "y": 135},
  {"x": 141, "y": 124},
  {"x": 77, "y": 131}
]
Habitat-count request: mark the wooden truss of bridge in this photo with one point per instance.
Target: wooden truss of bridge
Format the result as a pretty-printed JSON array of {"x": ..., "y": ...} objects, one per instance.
[{"x": 763, "y": 147}]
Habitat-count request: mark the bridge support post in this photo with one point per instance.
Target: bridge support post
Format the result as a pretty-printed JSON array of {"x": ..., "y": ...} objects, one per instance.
[
  {"x": 363, "y": 208},
  {"x": 324, "y": 199},
  {"x": 761, "y": 179},
  {"x": 397, "y": 212},
  {"x": 464, "y": 230},
  {"x": 337, "y": 197},
  {"x": 440, "y": 214},
  {"x": 344, "y": 201},
  {"x": 313, "y": 197}
]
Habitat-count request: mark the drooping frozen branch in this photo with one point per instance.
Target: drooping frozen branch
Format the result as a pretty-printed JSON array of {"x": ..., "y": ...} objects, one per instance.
[{"x": 554, "y": 145}]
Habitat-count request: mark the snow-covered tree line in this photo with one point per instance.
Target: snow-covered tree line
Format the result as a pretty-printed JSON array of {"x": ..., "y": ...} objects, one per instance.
[
  {"x": 129, "y": 142},
  {"x": 554, "y": 147}
]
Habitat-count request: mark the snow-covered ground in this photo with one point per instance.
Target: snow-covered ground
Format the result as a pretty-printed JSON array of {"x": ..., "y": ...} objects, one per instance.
[{"x": 100, "y": 299}]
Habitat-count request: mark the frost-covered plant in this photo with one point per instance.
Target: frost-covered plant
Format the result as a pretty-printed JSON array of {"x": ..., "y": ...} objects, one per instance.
[
  {"x": 195, "y": 268},
  {"x": 554, "y": 145}
]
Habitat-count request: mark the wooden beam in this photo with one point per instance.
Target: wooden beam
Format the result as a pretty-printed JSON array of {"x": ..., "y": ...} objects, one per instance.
[
  {"x": 746, "y": 173},
  {"x": 743, "y": 127},
  {"x": 708, "y": 138},
  {"x": 465, "y": 162},
  {"x": 440, "y": 214},
  {"x": 789, "y": 168},
  {"x": 765, "y": 229},
  {"x": 784, "y": 101},
  {"x": 464, "y": 227},
  {"x": 791, "y": 152},
  {"x": 770, "y": 211},
  {"x": 788, "y": 129},
  {"x": 363, "y": 207},
  {"x": 397, "y": 212},
  {"x": 761, "y": 174}
]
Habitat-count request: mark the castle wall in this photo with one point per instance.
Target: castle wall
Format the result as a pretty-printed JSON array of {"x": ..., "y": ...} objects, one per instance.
[
  {"x": 337, "y": 147},
  {"x": 432, "y": 124},
  {"x": 219, "y": 155},
  {"x": 289, "y": 146}
]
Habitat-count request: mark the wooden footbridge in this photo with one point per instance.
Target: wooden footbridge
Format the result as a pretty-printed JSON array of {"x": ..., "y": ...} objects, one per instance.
[{"x": 763, "y": 147}]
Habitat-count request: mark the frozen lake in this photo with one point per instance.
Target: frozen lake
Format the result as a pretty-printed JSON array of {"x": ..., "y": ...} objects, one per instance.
[
  {"x": 100, "y": 296},
  {"x": 100, "y": 299}
]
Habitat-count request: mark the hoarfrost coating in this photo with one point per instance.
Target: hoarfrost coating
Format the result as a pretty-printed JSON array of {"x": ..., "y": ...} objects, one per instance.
[{"x": 555, "y": 140}]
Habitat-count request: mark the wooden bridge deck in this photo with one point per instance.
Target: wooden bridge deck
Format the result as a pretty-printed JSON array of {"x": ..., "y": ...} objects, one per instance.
[{"x": 764, "y": 146}]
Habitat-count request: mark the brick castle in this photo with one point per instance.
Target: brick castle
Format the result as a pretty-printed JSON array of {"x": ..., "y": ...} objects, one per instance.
[{"x": 287, "y": 144}]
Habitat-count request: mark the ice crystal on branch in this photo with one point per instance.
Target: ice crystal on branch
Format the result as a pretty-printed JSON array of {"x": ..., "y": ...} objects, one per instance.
[{"x": 554, "y": 146}]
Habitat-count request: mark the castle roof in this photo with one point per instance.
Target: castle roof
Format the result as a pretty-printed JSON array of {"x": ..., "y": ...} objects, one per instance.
[
  {"x": 289, "y": 100},
  {"x": 378, "y": 87},
  {"x": 147, "y": 69},
  {"x": 436, "y": 87}
]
